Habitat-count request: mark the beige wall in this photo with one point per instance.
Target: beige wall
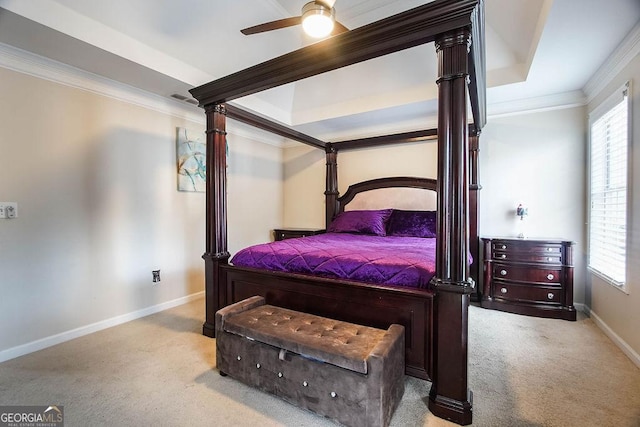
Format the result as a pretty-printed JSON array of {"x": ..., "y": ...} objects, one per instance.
[
  {"x": 254, "y": 188},
  {"x": 303, "y": 186},
  {"x": 618, "y": 312},
  {"x": 95, "y": 183},
  {"x": 304, "y": 175}
]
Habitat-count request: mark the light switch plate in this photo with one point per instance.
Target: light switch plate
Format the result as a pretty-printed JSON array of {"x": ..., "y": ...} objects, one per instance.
[{"x": 8, "y": 210}]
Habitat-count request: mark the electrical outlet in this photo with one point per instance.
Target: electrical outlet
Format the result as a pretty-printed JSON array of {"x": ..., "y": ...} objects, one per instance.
[
  {"x": 156, "y": 276},
  {"x": 8, "y": 210}
]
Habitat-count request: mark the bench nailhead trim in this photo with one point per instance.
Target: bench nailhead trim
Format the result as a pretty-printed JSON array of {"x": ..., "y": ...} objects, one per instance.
[
  {"x": 258, "y": 365},
  {"x": 348, "y": 339},
  {"x": 333, "y": 394},
  {"x": 279, "y": 374},
  {"x": 304, "y": 383},
  {"x": 239, "y": 358}
]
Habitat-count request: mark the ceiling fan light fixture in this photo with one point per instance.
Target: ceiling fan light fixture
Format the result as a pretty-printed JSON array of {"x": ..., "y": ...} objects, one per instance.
[{"x": 317, "y": 19}]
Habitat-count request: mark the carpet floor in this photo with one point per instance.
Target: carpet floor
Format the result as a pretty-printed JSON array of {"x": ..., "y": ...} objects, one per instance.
[{"x": 160, "y": 371}]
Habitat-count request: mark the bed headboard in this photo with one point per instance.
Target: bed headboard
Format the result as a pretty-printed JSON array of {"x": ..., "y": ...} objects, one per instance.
[{"x": 407, "y": 193}]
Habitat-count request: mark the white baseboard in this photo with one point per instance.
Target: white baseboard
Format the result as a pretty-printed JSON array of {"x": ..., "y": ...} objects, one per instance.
[
  {"x": 626, "y": 348},
  {"x": 42, "y": 343}
]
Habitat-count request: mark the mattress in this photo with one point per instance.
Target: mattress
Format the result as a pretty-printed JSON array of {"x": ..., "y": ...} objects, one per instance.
[{"x": 384, "y": 260}]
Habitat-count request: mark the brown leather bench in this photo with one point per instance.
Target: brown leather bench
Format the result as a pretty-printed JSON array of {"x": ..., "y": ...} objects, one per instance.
[{"x": 350, "y": 373}]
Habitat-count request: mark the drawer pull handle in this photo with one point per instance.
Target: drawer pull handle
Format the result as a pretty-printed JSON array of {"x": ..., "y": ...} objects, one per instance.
[
  {"x": 503, "y": 290},
  {"x": 504, "y": 246},
  {"x": 550, "y": 295},
  {"x": 503, "y": 272},
  {"x": 549, "y": 259},
  {"x": 502, "y": 256},
  {"x": 550, "y": 276},
  {"x": 549, "y": 249}
]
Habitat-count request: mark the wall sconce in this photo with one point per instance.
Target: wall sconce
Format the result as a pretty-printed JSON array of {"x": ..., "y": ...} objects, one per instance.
[{"x": 521, "y": 211}]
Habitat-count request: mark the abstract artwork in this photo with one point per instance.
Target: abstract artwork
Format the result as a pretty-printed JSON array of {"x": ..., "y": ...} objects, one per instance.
[{"x": 191, "y": 155}]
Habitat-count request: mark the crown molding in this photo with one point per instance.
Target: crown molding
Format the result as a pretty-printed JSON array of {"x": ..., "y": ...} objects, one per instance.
[
  {"x": 537, "y": 104},
  {"x": 25, "y": 62},
  {"x": 64, "y": 20},
  {"x": 628, "y": 49},
  {"x": 34, "y": 65}
]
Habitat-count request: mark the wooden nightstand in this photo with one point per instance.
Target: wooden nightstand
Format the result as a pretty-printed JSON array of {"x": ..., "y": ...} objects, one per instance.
[
  {"x": 527, "y": 276},
  {"x": 292, "y": 233}
]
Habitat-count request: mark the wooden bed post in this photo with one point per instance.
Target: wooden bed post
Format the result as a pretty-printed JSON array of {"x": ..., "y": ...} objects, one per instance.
[
  {"x": 216, "y": 221},
  {"x": 331, "y": 193},
  {"x": 450, "y": 397},
  {"x": 474, "y": 199}
]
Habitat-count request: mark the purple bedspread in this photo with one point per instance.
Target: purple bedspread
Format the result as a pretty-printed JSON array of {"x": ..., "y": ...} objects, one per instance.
[{"x": 390, "y": 260}]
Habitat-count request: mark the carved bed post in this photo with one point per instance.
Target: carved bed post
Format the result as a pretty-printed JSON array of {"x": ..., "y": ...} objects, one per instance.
[
  {"x": 331, "y": 193},
  {"x": 450, "y": 397},
  {"x": 474, "y": 196},
  {"x": 216, "y": 221}
]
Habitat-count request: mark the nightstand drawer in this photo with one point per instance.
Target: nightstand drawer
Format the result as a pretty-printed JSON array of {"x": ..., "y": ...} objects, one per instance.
[
  {"x": 527, "y": 252},
  {"x": 520, "y": 293},
  {"x": 547, "y": 258},
  {"x": 526, "y": 273},
  {"x": 293, "y": 233}
]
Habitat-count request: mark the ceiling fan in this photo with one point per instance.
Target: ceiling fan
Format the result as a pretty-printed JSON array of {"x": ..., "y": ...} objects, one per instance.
[{"x": 317, "y": 19}]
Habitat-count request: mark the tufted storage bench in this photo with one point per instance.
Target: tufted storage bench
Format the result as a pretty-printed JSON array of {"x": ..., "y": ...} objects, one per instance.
[{"x": 350, "y": 373}]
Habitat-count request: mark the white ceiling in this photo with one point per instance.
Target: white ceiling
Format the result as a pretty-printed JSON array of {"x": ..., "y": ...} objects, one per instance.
[{"x": 535, "y": 49}]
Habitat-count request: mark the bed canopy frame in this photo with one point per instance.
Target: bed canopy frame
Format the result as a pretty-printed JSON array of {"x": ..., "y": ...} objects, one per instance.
[{"x": 457, "y": 28}]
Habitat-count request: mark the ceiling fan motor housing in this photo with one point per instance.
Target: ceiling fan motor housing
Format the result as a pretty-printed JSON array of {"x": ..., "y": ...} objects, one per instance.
[
  {"x": 317, "y": 18},
  {"x": 317, "y": 8}
]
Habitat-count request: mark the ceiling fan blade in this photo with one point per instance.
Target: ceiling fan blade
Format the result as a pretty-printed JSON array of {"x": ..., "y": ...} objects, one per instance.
[
  {"x": 338, "y": 28},
  {"x": 273, "y": 25}
]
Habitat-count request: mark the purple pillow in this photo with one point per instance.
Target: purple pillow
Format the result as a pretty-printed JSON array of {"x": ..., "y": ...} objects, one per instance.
[
  {"x": 412, "y": 223},
  {"x": 363, "y": 222}
]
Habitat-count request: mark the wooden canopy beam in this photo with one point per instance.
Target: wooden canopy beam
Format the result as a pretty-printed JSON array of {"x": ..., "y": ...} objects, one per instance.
[
  {"x": 376, "y": 141},
  {"x": 254, "y": 120},
  {"x": 244, "y": 116},
  {"x": 411, "y": 28}
]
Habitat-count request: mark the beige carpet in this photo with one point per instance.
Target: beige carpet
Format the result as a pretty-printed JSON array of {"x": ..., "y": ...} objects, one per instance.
[{"x": 159, "y": 371}]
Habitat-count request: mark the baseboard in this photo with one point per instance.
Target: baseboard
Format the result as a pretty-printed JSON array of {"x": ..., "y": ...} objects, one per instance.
[
  {"x": 626, "y": 348},
  {"x": 43, "y": 343}
]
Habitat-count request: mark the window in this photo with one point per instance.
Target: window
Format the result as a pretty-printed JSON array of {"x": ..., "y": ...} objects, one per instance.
[{"x": 608, "y": 178}]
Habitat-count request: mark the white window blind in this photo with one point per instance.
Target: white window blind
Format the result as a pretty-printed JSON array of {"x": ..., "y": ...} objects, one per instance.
[{"x": 609, "y": 131}]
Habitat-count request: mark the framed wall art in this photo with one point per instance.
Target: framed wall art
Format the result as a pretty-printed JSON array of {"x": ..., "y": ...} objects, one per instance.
[{"x": 191, "y": 152}]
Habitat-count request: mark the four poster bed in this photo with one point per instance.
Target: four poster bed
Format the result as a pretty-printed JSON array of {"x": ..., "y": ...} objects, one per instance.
[{"x": 434, "y": 313}]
